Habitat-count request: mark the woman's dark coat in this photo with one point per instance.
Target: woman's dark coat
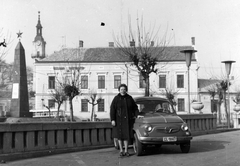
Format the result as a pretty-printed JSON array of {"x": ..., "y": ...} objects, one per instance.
[{"x": 123, "y": 111}]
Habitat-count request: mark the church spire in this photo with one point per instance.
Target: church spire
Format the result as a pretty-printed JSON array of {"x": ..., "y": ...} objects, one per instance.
[
  {"x": 39, "y": 26},
  {"x": 39, "y": 44}
]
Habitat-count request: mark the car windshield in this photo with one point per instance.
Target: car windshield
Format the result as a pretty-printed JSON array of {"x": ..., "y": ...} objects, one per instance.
[{"x": 152, "y": 106}]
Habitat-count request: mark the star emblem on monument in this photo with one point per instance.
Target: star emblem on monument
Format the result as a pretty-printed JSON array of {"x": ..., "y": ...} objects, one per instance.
[{"x": 19, "y": 34}]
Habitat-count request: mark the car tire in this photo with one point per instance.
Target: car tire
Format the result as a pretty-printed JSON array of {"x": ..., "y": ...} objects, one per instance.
[
  {"x": 138, "y": 145},
  {"x": 158, "y": 147},
  {"x": 185, "y": 147}
]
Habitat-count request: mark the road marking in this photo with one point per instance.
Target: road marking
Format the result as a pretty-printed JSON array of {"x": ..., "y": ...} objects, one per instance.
[{"x": 78, "y": 160}]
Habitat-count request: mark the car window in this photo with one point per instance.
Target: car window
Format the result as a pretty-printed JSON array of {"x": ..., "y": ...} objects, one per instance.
[{"x": 154, "y": 106}]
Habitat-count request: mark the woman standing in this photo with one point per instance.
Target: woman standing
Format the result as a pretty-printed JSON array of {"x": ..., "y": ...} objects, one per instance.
[{"x": 123, "y": 112}]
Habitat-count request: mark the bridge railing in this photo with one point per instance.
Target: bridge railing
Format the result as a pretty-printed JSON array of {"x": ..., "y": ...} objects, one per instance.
[
  {"x": 201, "y": 123},
  {"x": 30, "y": 138}
]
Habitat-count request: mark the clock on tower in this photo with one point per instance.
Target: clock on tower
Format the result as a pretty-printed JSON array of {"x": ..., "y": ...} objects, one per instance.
[{"x": 39, "y": 44}]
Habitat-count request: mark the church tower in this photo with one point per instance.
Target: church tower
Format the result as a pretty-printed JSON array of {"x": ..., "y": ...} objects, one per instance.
[{"x": 39, "y": 45}]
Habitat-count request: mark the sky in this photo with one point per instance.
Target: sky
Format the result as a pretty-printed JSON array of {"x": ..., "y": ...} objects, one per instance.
[{"x": 215, "y": 24}]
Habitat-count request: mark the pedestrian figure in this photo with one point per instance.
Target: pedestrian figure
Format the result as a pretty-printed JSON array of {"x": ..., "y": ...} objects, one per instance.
[{"x": 123, "y": 112}]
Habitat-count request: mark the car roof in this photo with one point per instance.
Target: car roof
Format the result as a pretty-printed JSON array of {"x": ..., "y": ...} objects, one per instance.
[{"x": 137, "y": 99}]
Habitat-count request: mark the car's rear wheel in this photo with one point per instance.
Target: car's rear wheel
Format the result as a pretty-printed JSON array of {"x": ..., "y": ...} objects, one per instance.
[
  {"x": 185, "y": 147},
  {"x": 138, "y": 145}
]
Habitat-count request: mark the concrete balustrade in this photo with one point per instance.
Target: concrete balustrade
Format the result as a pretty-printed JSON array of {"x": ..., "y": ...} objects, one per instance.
[
  {"x": 30, "y": 137},
  {"x": 56, "y": 137},
  {"x": 201, "y": 123}
]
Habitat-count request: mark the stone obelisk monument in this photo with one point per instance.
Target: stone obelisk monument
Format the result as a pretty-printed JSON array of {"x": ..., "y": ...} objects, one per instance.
[{"x": 19, "y": 102}]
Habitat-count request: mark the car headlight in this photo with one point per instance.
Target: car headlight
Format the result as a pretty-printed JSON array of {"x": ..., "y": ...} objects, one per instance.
[
  {"x": 147, "y": 127},
  {"x": 184, "y": 127}
]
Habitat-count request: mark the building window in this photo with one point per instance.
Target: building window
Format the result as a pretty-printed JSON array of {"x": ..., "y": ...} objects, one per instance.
[
  {"x": 101, "y": 106},
  {"x": 117, "y": 81},
  {"x": 51, "y": 82},
  {"x": 142, "y": 83},
  {"x": 239, "y": 121},
  {"x": 84, "y": 82},
  {"x": 84, "y": 105},
  {"x": 181, "y": 105},
  {"x": 162, "y": 81},
  {"x": 180, "y": 81},
  {"x": 68, "y": 79},
  {"x": 101, "y": 82},
  {"x": 1, "y": 108},
  {"x": 51, "y": 103}
]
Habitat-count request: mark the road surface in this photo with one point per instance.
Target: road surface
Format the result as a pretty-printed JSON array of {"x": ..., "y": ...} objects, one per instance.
[{"x": 222, "y": 149}]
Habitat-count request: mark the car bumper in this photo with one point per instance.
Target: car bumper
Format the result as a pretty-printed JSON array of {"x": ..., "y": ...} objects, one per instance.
[{"x": 159, "y": 140}]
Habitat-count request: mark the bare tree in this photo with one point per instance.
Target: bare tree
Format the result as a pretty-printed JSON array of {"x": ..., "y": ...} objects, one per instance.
[
  {"x": 144, "y": 51},
  {"x": 69, "y": 79},
  {"x": 58, "y": 95},
  {"x": 5, "y": 75},
  {"x": 223, "y": 85},
  {"x": 219, "y": 89},
  {"x": 49, "y": 106},
  {"x": 5, "y": 41},
  {"x": 170, "y": 95},
  {"x": 212, "y": 90},
  {"x": 93, "y": 100}
]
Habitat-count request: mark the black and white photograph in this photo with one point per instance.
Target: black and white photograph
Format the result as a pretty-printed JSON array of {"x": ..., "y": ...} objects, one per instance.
[{"x": 119, "y": 82}]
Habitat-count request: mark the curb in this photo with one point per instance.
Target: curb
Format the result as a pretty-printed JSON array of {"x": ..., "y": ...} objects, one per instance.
[
  {"x": 199, "y": 133},
  {"x": 42, "y": 153}
]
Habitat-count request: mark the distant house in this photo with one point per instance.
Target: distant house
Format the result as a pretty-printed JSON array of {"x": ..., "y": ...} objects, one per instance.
[
  {"x": 5, "y": 101},
  {"x": 210, "y": 105},
  {"x": 103, "y": 69},
  {"x": 204, "y": 85}
]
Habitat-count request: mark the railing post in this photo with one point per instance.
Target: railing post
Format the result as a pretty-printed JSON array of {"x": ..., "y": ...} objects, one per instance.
[
  {"x": 7, "y": 142},
  {"x": 19, "y": 142}
]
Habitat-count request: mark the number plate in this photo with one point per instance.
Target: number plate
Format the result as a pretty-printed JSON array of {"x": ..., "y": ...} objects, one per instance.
[{"x": 169, "y": 139}]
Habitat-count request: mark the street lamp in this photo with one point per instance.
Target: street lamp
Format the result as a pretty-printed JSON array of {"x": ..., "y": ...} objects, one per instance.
[
  {"x": 188, "y": 58},
  {"x": 228, "y": 65}
]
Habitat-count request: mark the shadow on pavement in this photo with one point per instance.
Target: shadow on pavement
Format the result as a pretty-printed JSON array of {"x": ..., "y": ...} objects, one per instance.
[
  {"x": 207, "y": 145},
  {"x": 196, "y": 147}
]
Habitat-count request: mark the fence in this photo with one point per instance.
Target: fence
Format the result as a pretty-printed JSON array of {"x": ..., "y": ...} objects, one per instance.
[
  {"x": 201, "y": 123},
  {"x": 20, "y": 140}
]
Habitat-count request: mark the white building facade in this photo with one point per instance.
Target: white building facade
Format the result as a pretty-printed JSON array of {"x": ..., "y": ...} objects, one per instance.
[{"x": 102, "y": 70}]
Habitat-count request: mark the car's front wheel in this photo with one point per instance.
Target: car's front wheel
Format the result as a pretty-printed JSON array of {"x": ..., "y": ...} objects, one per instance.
[
  {"x": 185, "y": 147},
  {"x": 138, "y": 145}
]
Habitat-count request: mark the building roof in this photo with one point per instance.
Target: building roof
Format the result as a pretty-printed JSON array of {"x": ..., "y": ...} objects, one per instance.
[
  {"x": 111, "y": 54},
  {"x": 203, "y": 83}
]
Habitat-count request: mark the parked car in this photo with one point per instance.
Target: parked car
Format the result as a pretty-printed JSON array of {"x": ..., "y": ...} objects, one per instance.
[{"x": 158, "y": 124}]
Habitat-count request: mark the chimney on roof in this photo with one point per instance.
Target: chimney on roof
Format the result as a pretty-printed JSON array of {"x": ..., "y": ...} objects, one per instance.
[
  {"x": 132, "y": 43},
  {"x": 80, "y": 43},
  {"x": 111, "y": 44},
  {"x": 152, "y": 43},
  {"x": 193, "y": 41}
]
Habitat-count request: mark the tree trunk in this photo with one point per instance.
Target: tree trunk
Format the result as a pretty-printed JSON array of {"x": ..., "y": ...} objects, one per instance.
[
  {"x": 225, "y": 106},
  {"x": 147, "y": 86},
  {"x": 212, "y": 105},
  {"x": 49, "y": 112},
  {"x": 58, "y": 109},
  {"x": 173, "y": 108},
  {"x": 219, "y": 112},
  {"x": 71, "y": 109},
  {"x": 92, "y": 112}
]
